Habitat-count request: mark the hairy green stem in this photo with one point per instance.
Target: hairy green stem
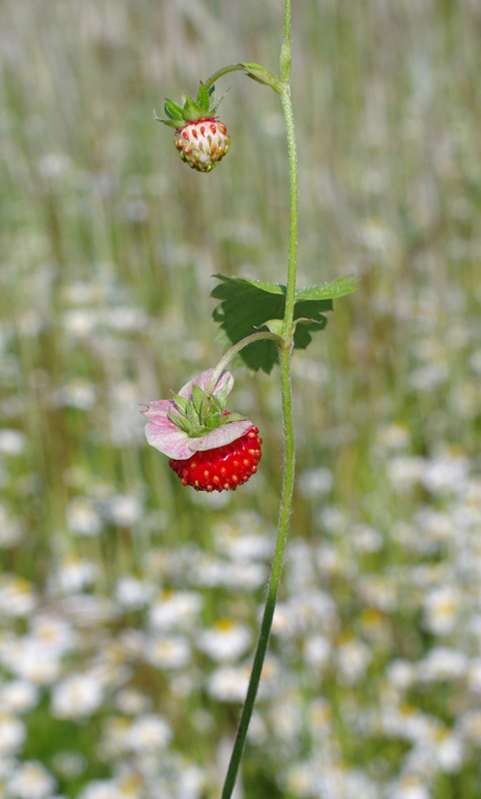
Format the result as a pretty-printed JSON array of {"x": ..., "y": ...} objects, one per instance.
[
  {"x": 232, "y": 68},
  {"x": 284, "y": 514},
  {"x": 226, "y": 359},
  {"x": 293, "y": 210},
  {"x": 285, "y": 353}
]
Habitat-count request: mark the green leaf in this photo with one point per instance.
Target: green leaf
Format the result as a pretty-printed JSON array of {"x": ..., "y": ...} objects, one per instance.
[
  {"x": 328, "y": 291},
  {"x": 246, "y": 306},
  {"x": 203, "y": 99}
]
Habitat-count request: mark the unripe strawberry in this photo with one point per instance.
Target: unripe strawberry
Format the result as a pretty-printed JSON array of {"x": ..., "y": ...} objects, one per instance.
[
  {"x": 202, "y": 141},
  {"x": 202, "y": 144}
]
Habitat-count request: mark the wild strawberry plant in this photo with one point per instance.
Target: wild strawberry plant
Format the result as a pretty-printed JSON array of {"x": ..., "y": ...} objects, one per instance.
[{"x": 210, "y": 448}]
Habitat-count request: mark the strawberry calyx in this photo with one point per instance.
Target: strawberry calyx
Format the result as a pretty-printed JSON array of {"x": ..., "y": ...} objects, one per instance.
[
  {"x": 202, "y": 412},
  {"x": 189, "y": 110}
]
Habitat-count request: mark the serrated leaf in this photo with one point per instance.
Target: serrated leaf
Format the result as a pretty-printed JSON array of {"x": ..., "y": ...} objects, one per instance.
[
  {"x": 247, "y": 305},
  {"x": 203, "y": 99},
  {"x": 328, "y": 291}
]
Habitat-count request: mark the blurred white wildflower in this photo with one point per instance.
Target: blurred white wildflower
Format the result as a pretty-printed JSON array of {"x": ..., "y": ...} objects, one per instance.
[
  {"x": 126, "y": 421},
  {"x": 73, "y": 574},
  {"x": 333, "y": 519},
  {"x": 317, "y": 651},
  {"x": 404, "y": 471},
  {"x": 227, "y": 640},
  {"x": 409, "y": 787},
  {"x": 441, "y": 609},
  {"x": 88, "y": 610},
  {"x": 69, "y": 765},
  {"x": 12, "y": 442},
  {"x": 53, "y": 165},
  {"x": 76, "y": 697},
  {"x": 313, "y": 609},
  {"x": 378, "y": 591},
  {"x": 392, "y": 438},
  {"x": 31, "y": 781},
  {"x": 169, "y": 652},
  {"x": 133, "y": 592},
  {"x": 286, "y": 717},
  {"x": 243, "y": 538},
  {"x": 12, "y": 734},
  {"x": 442, "y": 663},
  {"x": 315, "y": 482},
  {"x": 175, "y": 610},
  {"x": 30, "y": 660},
  {"x": 78, "y": 393},
  {"x": 132, "y": 701},
  {"x": 82, "y": 518},
  {"x": 124, "y": 510},
  {"x": 319, "y": 717},
  {"x": 401, "y": 673},
  {"x": 11, "y": 529},
  {"x": 148, "y": 732},
  {"x": 445, "y": 474},
  {"x": 353, "y": 657},
  {"x": 301, "y": 780},
  {"x": 100, "y": 789},
  {"x": 18, "y": 696},
  {"x": 365, "y": 539},
  {"x": 429, "y": 376},
  {"x": 244, "y": 576},
  {"x": 376, "y": 236},
  {"x": 80, "y": 322},
  {"x": 469, "y": 724},
  {"x": 17, "y": 596},
  {"x": 229, "y": 683},
  {"x": 53, "y": 632}
]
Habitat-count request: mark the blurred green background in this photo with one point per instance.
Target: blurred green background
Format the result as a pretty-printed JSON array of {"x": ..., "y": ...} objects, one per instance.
[{"x": 108, "y": 244}]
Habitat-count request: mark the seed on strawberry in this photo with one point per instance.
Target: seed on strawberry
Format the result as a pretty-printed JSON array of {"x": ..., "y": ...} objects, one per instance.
[
  {"x": 203, "y": 143},
  {"x": 222, "y": 468}
]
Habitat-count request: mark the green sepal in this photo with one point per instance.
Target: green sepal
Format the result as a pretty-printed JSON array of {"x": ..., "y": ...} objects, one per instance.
[
  {"x": 181, "y": 402},
  {"x": 262, "y": 75},
  {"x": 173, "y": 110},
  {"x": 275, "y": 326},
  {"x": 203, "y": 99},
  {"x": 197, "y": 398},
  {"x": 171, "y": 123},
  {"x": 179, "y": 421},
  {"x": 246, "y": 306},
  {"x": 191, "y": 111}
]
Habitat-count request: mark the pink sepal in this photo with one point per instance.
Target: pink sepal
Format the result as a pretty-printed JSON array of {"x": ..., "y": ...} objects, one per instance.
[{"x": 165, "y": 436}]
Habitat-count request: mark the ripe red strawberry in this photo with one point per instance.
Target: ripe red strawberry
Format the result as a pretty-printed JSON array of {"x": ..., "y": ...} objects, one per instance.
[
  {"x": 202, "y": 144},
  {"x": 221, "y": 468}
]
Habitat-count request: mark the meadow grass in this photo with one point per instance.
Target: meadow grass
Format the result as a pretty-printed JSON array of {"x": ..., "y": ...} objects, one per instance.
[{"x": 112, "y": 572}]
